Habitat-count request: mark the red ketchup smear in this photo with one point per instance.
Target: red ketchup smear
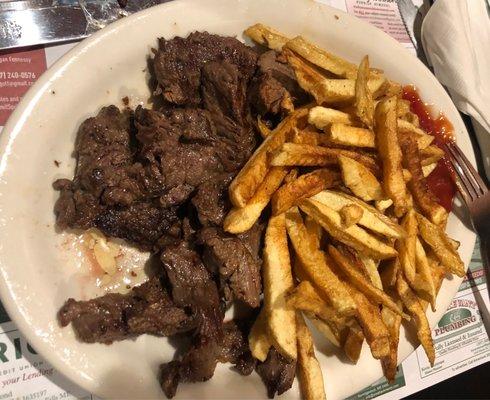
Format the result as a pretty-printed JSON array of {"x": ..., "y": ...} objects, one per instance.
[{"x": 441, "y": 180}]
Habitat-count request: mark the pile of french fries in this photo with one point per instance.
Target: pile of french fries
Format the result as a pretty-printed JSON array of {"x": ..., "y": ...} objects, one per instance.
[{"x": 355, "y": 240}]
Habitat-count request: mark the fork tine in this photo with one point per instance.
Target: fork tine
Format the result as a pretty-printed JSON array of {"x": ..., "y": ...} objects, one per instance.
[
  {"x": 462, "y": 183},
  {"x": 474, "y": 173}
]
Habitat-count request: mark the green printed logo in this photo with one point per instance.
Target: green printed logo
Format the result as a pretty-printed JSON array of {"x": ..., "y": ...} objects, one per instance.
[{"x": 454, "y": 319}]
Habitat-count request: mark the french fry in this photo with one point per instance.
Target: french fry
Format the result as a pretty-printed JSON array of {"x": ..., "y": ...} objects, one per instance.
[
  {"x": 424, "y": 198},
  {"x": 322, "y": 58},
  {"x": 350, "y": 214},
  {"x": 303, "y": 187},
  {"x": 438, "y": 273},
  {"x": 392, "y": 322},
  {"x": 315, "y": 231},
  {"x": 291, "y": 154},
  {"x": 389, "y": 273},
  {"x": 326, "y": 90},
  {"x": 423, "y": 139},
  {"x": 383, "y": 204},
  {"x": 258, "y": 339},
  {"x": 428, "y": 169},
  {"x": 371, "y": 218},
  {"x": 315, "y": 266},
  {"x": 291, "y": 176},
  {"x": 437, "y": 239},
  {"x": 278, "y": 281},
  {"x": 430, "y": 155},
  {"x": 414, "y": 307},
  {"x": 390, "y": 154},
  {"x": 245, "y": 184},
  {"x": 357, "y": 280},
  {"x": 263, "y": 128},
  {"x": 304, "y": 297},
  {"x": 375, "y": 331},
  {"x": 323, "y": 117},
  {"x": 332, "y": 333},
  {"x": 309, "y": 373},
  {"x": 353, "y": 236},
  {"x": 353, "y": 342},
  {"x": 347, "y": 135},
  {"x": 364, "y": 99},
  {"x": 402, "y": 108},
  {"x": 360, "y": 180},
  {"x": 371, "y": 268},
  {"x": 406, "y": 246},
  {"x": 266, "y": 36},
  {"x": 310, "y": 138},
  {"x": 423, "y": 284},
  {"x": 240, "y": 220}
]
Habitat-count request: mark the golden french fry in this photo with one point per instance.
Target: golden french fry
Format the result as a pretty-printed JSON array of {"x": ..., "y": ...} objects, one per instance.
[
  {"x": 371, "y": 269},
  {"x": 351, "y": 214},
  {"x": 402, "y": 108},
  {"x": 266, "y": 36},
  {"x": 362, "y": 284},
  {"x": 326, "y": 90},
  {"x": 406, "y": 246},
  {"x": 360, "y": 180},
  {"x": 414, "y": 307},
  {"x": 309, "y": 373},
  {"x": 428, "y": 169},
  {"x": 437, "y": 239},
  {"x": 423, "y": 139},
  {"x": 392, "y": 322},
  {"x": 364, "y": 99},
  {"x": 263, "y": 128},
  {"x": 438, "y": 273},
  {"x": 423, "y": 197},
  {"x": 389, "y": 273},
  {"x": 291, "y": 176},
  {"x": 347, "y": 135},
  {"x": 240, "y": 220},
  {"x": 375, "y": 331},
  {"x": 390, "y": 88},
  {"x": 315, "y": 231},
  {"x": 305, "y": 297},
  {"x": 390, "y": 154},
  {"x": 333, "y": 333},
  {"x": 258, "y": 339},
  {"x": 371, "y": 218},
  {"x": 315, "y": 265},
  {"x": 310, "y": 138},
  {"x": 303, "y": 187},
  {"x": 423, "y": 284},
  {"x": 245, "y": 184},
  {"x": 323, "y": 117},
  {"x": 353, "y": 342},
  {"x": 353, "y": 236},
  {"x": 278, "y": 281},
  {"x": 430, "y": 155},
  {"x": 321, "y": 58},
  {"x": 302, "y": 155}
]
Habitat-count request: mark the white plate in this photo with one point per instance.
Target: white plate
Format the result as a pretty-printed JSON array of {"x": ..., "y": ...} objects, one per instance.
[{"x": 38, "y": 270}]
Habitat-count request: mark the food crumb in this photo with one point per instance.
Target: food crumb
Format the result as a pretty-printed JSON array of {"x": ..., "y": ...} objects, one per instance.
[
  {"x": 128, "y": 286},
  {"x": 125, "y": 101},
  {"x": 133, "y": 273},
  {"x": 53, "y": 92},
  {"x": 336, "y": 16},
  {"x": 57, "y": 163}
]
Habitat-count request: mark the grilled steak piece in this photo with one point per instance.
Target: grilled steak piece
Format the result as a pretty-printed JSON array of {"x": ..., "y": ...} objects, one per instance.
[
  {"x": 234, "y": 347},
  {"x": 238, "y": 270},
  {"x": 146, "y": 309},
  {"x": 192, "y": 288},
  {"x": 178, "y": 63},
  {"x": 273, "y": 82},
  {"x": 104, "y": 160},
  {"x": 276, "y": 372},
  {"x": 211, "y": 200}
]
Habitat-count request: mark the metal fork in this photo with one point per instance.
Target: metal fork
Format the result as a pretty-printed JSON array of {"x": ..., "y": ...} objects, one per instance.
[{"x": 475, "y": 194}]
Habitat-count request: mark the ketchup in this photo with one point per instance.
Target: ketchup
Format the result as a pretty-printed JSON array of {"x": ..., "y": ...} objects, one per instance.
[{"x": 441, "y": 180}]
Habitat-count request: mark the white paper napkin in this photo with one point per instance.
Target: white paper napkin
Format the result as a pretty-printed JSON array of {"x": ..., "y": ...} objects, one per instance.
[{"x": 456, "y": 40}]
